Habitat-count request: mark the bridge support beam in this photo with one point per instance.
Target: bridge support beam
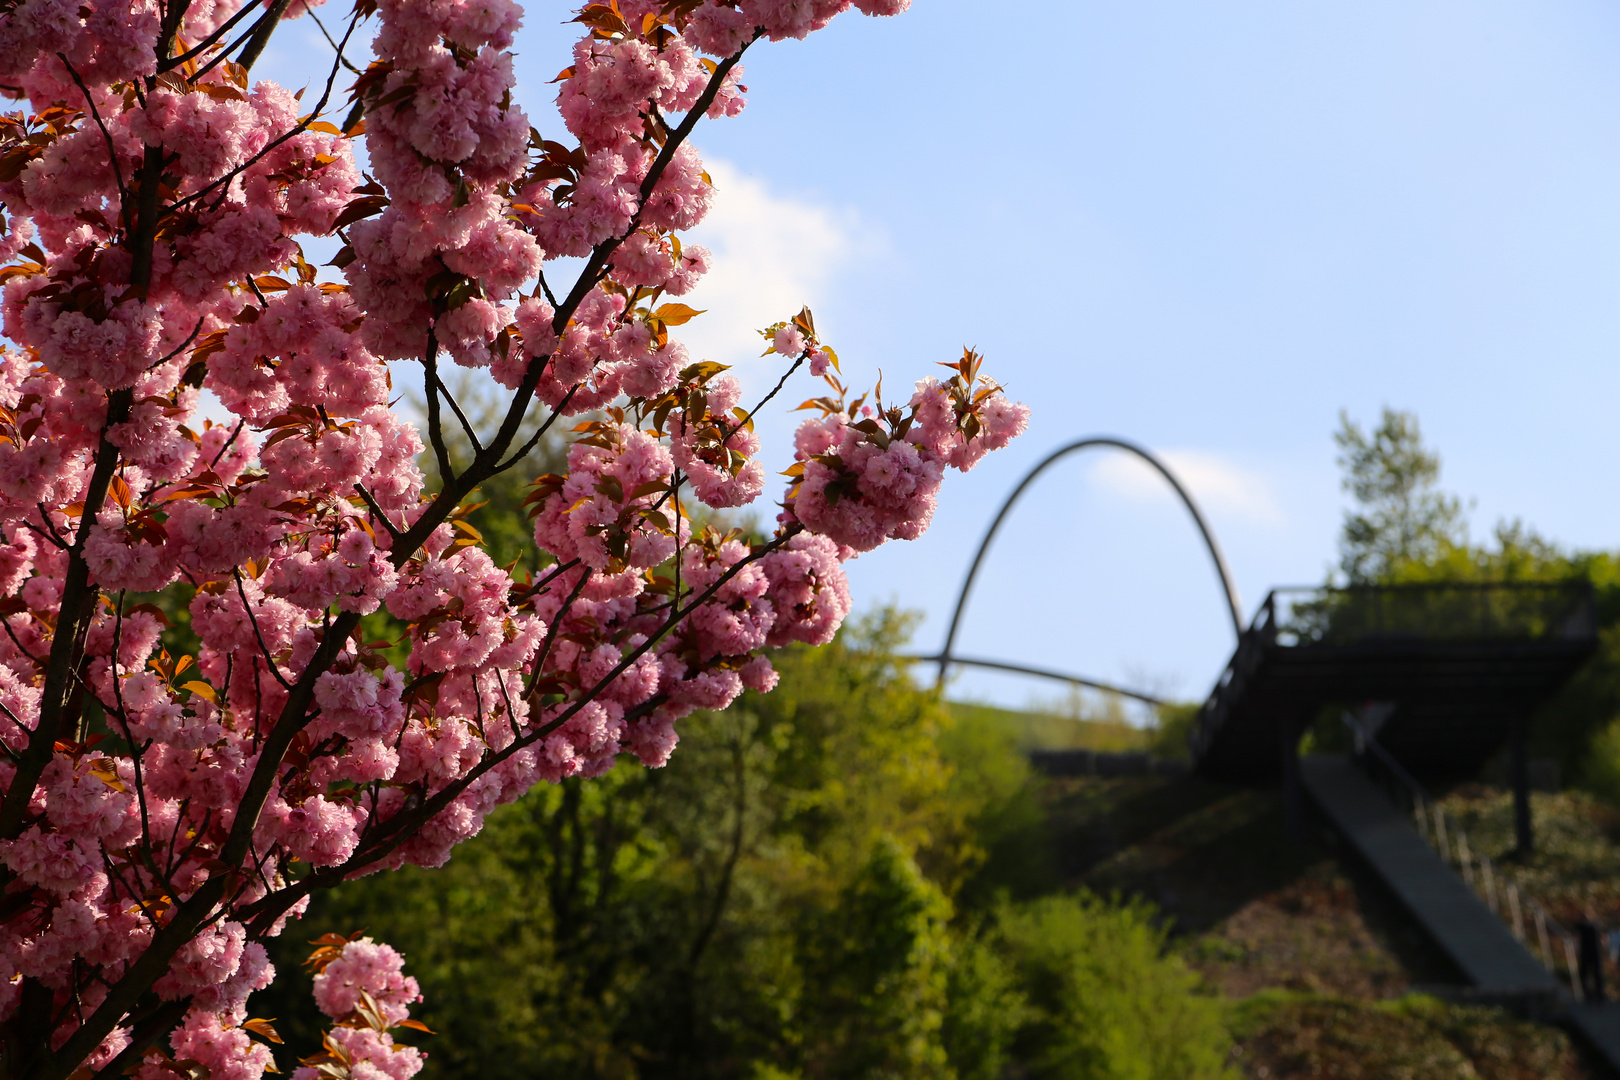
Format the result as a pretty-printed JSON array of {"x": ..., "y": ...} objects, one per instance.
[
  {"x": 1519, "y": 777},
  {"x": 1288, "y": 733}
]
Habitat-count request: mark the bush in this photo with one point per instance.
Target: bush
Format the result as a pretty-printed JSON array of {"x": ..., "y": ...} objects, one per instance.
[
  {"x": 1107, "y": 1003},
  {"x": 985, "y": 1008},
  {"x": 1601, "y": 772}
]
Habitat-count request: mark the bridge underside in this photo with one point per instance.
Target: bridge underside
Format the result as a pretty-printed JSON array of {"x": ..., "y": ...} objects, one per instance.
[{"x": 1454, "y": 701}]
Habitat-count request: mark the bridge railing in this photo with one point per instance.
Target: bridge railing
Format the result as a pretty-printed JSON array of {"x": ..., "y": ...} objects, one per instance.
[
  {"x": 1555, "y": 947},
  {"x": 1448, "y": 611},
  {"x": 1245, "y": 658}
]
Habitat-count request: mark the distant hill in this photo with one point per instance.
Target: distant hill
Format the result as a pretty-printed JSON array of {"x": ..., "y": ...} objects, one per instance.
[{"x": 1079, "y": 724}]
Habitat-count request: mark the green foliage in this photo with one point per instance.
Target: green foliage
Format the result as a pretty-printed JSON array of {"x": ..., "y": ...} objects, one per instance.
[
  {"x": 1602, "y": 771},
  {"x": 984, "y": 748},
  {"x": 985, "y": 1009},
  {"x": 1407, "y": 532},
  {"x": 1400, "y": 516},
  {"x": 1171, "y": 736},
  {"x": 1568, "y": 726},
  {"x": 1078, "y": 720},
  {"x": 875, "y": 967},
  {"x": 1108, "y": 1003}
]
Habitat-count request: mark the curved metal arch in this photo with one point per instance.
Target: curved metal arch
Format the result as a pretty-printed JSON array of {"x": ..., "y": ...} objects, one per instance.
[
  {"x": 1233, "y": 603},
  {"x": 1044, "y": 673}
]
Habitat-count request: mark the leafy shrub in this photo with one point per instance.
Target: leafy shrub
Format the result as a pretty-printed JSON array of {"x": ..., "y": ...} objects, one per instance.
[
  {"x": 985, "y": 1008},
  {"x": 1107, "y": 1002}
]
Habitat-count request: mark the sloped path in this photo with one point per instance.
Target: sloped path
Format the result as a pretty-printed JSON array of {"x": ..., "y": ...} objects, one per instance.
[
  {"x": 1449, "y": 912},
  {"x": 1453, "y": 917}
]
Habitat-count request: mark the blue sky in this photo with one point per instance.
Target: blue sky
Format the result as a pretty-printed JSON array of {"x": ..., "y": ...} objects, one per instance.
[{"x": 1203, "y": 227}]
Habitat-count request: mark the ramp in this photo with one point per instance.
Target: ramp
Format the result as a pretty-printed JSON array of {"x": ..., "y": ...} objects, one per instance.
[{"x": 1482, "y": 949}]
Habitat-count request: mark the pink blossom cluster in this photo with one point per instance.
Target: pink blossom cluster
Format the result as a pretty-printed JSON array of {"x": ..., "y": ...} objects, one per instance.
[
  {"x": 336, "y": 678},
  {"x": 361, "y": 985},
  {"x": 865, "y": 481}
]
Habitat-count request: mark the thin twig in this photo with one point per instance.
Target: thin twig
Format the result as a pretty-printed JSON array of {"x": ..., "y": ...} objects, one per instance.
[
  {"x": 551, "y": 631},
  {"x": 195, "y": 330},
  {"x": 248, "y": 608},
  {"x": 238, "y": 430},
  {"x": 467, "y": 428},
  {"x": 441, "y": 453},
  {"x": 52, "y": 537},
  {"x": 547, "y": 289},
  {"x": 311, "y": 13},
  {"x": 777, "y": 389},
  {"x": 540, "y": 432},
  {"x": 377, "y": 510},
  {"x": 112, "y": 151}
]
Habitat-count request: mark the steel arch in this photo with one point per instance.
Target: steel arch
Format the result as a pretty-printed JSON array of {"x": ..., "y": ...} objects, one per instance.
[{"x": 946, "y": 658}]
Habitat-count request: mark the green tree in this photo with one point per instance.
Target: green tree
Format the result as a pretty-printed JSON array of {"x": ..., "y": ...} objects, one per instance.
[
  {"x": 1578, "y": 726},
  {"x": 1405, "y": 531},
  {"x": 1400, "y": 516},
  {"x": 875, "y": 968}
]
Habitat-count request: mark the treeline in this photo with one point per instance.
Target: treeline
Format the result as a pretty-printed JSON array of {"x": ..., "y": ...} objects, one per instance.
[
  {"x": 835, "y": 880},
  {"x": 1404, "y": 528}
]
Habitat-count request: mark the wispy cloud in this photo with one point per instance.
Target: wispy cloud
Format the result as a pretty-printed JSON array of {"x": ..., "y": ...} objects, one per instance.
[
  {"x": 772, "y": 254},
  {"x": 1219, "y": 485}
]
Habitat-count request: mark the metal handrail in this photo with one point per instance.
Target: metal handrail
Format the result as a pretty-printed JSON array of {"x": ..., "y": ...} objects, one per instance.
[{"x": 1450, "y": 610}]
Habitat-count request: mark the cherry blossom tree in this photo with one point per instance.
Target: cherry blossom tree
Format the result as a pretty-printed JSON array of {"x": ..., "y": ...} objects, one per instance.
[{"x": 189, "y": 407}]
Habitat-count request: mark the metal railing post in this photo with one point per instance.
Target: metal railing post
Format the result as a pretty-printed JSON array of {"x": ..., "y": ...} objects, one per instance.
[
  {"x": 1440, "y": 833},
  {"x": 1572, "y": 968}
]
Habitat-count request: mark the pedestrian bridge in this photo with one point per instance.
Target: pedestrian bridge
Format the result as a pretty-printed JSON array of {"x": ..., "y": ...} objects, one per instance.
[
  {"x": 1432, "y": 680},
  {"x": 1444, "y": 674}
]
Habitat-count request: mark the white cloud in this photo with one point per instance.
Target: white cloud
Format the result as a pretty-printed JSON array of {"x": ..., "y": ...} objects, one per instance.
[
  {"x": 1218, "y": 486},
  {"x": 772, "y": 255}
]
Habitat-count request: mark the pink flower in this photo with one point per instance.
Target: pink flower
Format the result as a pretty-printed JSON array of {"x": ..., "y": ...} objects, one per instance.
[{"x": 788, "y": 341}]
